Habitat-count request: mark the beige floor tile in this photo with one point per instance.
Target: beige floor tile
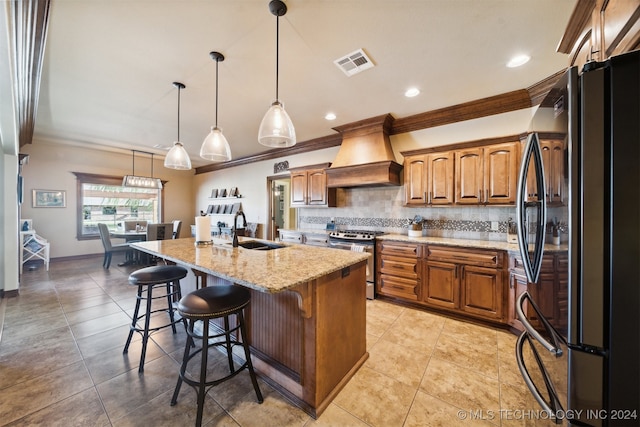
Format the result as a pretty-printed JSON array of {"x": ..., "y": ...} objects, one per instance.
[
  {"x": 464, "y": 388},
  {"x": 519, "y": 408},
  {"x": 376, "y": 399},
  {"x": 335, "y": 416},
  {"x": 275, "y": 411},
  {"x": 99, "y": 325},
  {"x": 480, "y": 356},
  {"x": 401, "y": 363},
  {"x": 406, "y": 332},
  {"x": 427, "y": 410}
]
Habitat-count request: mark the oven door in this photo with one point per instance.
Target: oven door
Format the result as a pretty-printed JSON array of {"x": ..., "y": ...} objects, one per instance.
[
  {"x": 349, "y": 245},
  {"x": 541, "y": 354}
]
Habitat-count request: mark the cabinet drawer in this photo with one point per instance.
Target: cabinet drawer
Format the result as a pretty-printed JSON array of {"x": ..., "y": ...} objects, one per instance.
[
  {"x": 398, "y": 287},
  {"x": 480, "y": 257},
  {"x": 515, "y": 263},
  {"x": 400, "y": 249},
  {"x": 398, "y": 266},
  {"x": 316, "y": 239},
  {"x": 290, "y": 237}
]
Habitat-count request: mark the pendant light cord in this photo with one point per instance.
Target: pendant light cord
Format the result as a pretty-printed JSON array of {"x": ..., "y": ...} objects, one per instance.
[
  {"x": 217, "y": 60},
  {"x": 277, "y": 52},
  {"x": 179, "y": 113}
]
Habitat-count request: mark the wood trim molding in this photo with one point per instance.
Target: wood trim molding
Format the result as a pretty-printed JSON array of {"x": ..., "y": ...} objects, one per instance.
[
  {"x": 538, "y": 91},
  {"x": 465, "y": 145},
  {"x": 276, "y": 153},
  {"x": 510, "y": 101},
  {"x": 503, "y": 103},
  {"x": 580, "y": 18}
]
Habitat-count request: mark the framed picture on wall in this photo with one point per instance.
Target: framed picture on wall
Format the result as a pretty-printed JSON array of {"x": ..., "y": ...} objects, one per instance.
[{"x": 49, "y": 199}]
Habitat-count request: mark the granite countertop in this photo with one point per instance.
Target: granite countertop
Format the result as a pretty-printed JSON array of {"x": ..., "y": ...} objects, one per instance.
[
  {"x": 266, "y": 271},
  {"x": 468, "y": 243}
]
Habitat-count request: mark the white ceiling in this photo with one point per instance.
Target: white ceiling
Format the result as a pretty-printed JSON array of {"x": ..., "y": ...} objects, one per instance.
[{"x": 109, "y": 64}]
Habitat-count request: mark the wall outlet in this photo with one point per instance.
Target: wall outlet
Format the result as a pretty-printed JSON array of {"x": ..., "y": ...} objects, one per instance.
[{"x": 494, "y": 225}]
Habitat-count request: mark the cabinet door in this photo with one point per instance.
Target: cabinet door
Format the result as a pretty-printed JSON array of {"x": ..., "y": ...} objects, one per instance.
[
  {"x": 317, "y": 187},
  {"x": 440, "y": 178},
  {"x": 298, "y": 188},
  {"x": 553, "y": 162},
  {"x": 482, "y": 291},
  {"x": 543, "y": 293},
  {"x": 469, "y": 177},
  {"x": 441, "y": 284},
  {"x": 556, "y": 171},
  {"x": 415, "y": 180},
  {"x": 517, "y": 285},
  {"x": 500, "y": 164}
]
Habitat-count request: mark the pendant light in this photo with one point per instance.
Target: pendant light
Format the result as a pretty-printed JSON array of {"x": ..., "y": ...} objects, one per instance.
[
  {"x": 177, "y": 157},
  {"x": 136, "y": 181},
  {"x": 215, "y": 146},
  {"x": 276, "y": 128}
]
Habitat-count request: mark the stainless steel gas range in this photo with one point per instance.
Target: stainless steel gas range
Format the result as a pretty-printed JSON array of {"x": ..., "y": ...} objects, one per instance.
[{"x": 358, "y": 241}]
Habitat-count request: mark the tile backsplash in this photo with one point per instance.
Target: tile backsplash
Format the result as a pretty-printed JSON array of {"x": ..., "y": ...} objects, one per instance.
[{"x": 381, "y": 209}]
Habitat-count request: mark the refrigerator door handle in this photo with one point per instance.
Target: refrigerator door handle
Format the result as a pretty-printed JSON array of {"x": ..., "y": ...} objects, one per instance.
[
  {"x": 532, "y": 264},
  {"x": 557, "y": 339},
  {"x": 553, "y": 406}
]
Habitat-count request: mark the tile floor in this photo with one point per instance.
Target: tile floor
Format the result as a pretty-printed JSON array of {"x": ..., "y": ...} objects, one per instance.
[{"x": 61, "y": 363}]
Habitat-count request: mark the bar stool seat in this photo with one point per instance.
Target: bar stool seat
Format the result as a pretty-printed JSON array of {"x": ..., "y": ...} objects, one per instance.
[
  {"x": 204, "y": 305},
  {"x": 146, "y": 279}
]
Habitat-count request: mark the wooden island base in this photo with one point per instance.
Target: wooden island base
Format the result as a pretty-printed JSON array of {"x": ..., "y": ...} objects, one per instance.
[{"x": 307, "y": 342}]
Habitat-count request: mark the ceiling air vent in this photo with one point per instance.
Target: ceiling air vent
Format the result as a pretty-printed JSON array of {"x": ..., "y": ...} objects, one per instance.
[{"x": 354, "y": 62}]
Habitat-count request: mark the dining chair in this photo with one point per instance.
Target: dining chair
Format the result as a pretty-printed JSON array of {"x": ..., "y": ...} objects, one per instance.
[
  {"x": 162, "y": 231},
  {"x": 177, "y": 225},
  {"x": 110, "y": 248}
]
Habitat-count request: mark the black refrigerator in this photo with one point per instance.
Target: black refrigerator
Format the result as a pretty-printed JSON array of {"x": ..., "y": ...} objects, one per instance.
[{"x": 585, "y": 369}]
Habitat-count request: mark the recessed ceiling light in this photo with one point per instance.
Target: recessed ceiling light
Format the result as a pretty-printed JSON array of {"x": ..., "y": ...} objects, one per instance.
[
  {"x": 330, "y": 116},
  {"x": 518, "y": 60},
  {"x": 411, "y": 92}
]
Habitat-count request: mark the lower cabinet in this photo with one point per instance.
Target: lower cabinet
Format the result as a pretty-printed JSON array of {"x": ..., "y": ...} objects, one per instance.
[
  {"x": 397, "y": 274},
  {"x": 550, "y": 292},
  {"x": 470, "y": 282}
]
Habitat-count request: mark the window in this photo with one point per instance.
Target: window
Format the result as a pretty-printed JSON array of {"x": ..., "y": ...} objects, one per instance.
[{"x": 102, "y": 198}]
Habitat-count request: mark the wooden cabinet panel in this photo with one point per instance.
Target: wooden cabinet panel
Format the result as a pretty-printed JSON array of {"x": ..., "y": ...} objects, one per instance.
[
  {"x": 553, "y": 161},
  {"x": 619, "y": 26},
  {"x": 440, "y": 178},
  {"x": 309, "y": 188},
  {"x": 469, "y": 177},
  {"x": 409, "y": 250},
  {"x": 399, "y": 266},
  {"x": 550, "y": 293},
  {"x": 501, "y": 173},
  {"x": 441, "y": 284},
  {"x": 415, "y": 180},
  {"x": 482, "y": 291},
  {"x": 398, "y": 287},
  {"x": 487, "y": 175},
  {"x": 485, "y": 258},
  {"x": 298, "y": 188},
  {"x": 428, "y": 179}
]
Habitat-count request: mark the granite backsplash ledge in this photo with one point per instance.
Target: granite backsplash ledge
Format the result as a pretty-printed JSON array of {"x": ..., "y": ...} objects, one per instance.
[{"x": 381, "y": 209}]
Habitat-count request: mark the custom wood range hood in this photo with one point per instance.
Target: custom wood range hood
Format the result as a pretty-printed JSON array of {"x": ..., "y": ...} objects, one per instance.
[{"x": 365, "y": 158}]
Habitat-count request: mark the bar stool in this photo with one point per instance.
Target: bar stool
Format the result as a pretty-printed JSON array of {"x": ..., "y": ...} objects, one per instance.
[
  {"x": 146, "y": 279},
  {"x": 205, "y": 304}
]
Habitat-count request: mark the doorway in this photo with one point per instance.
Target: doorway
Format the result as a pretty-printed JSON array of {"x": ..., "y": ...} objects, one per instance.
[{"x": 281, "y": 214}]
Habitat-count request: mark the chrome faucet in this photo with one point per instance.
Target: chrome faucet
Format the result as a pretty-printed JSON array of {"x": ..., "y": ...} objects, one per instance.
[{"x": 235, "y": 226}]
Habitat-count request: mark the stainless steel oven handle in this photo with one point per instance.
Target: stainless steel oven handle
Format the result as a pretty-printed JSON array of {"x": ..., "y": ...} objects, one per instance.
[
  {"x": 552, "y": 347},
  {"x": 525, "y": 374}
]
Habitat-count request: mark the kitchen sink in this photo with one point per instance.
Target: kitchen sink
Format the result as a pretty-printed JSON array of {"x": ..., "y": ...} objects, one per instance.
[{"x": 261, "y": 246}]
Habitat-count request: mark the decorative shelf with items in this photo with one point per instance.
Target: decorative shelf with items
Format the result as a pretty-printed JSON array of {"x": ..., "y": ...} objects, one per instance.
[
  {"x": 226, "y": 203},
  {"x": 34, "y": 247}
]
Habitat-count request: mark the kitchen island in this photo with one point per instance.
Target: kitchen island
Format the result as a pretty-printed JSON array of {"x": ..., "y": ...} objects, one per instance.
[{"x": 307, "y": 318}]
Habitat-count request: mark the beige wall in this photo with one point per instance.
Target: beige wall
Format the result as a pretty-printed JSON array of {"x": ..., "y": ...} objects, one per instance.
[{"x": 50, "y": 167}]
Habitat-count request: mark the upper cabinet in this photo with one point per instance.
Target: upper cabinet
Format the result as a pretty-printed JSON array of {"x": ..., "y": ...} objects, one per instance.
[
  {"x": 474, "y": 173},
  {"x": 429, "y": 179},
  {"x": 599, "y": 29},
  {"x": 487, "y": 175},
  {"x": 553, "y": 160},
  {"x": 309, "y": 187}
]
